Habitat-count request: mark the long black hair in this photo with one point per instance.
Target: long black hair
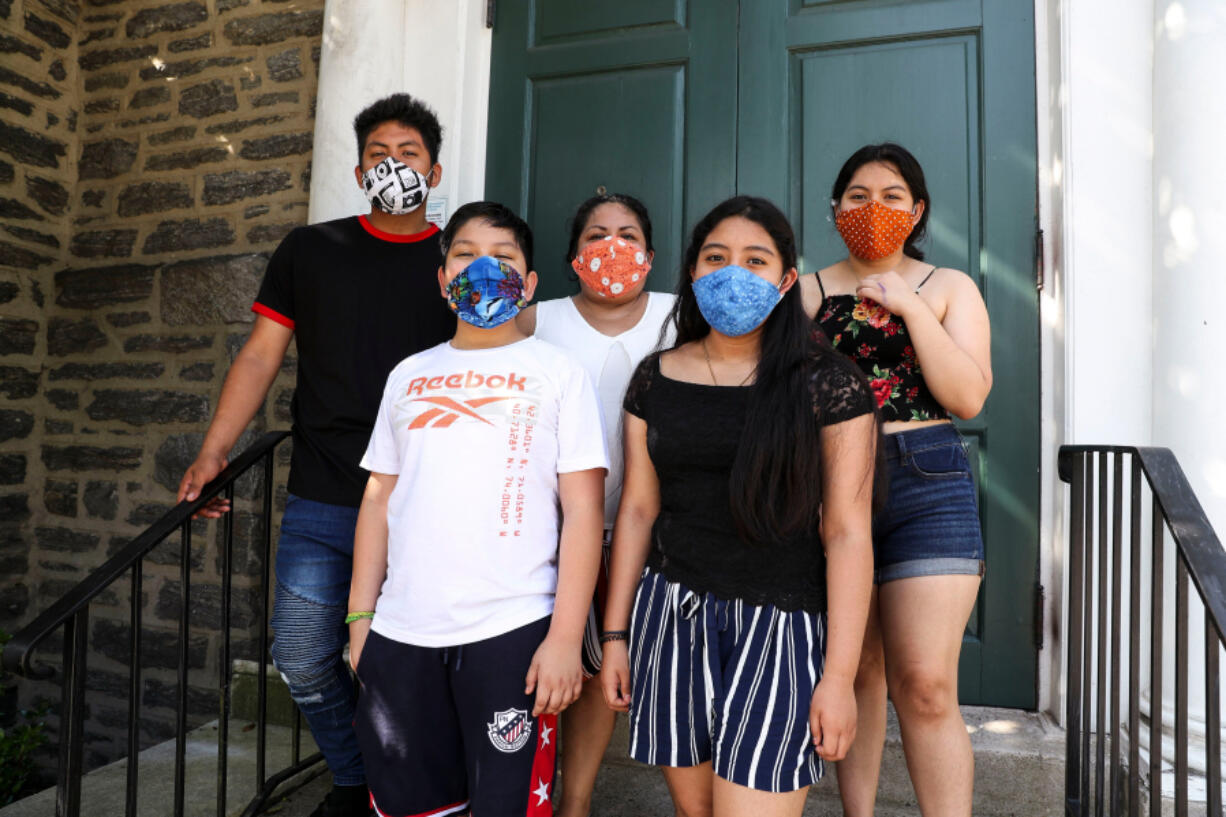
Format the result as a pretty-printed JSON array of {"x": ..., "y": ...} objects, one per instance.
[
  {"x": 911, "y": 172},
  {"x": 775, "y": 487}
]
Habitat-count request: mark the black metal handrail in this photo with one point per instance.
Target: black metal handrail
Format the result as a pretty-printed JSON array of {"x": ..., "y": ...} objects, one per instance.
[
  {"x": 1096, "y": 475},
  {"x": 71, "y": 612}
]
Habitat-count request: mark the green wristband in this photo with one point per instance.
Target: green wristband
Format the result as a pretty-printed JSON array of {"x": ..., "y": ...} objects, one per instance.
[{"x": 352, "y": 617}]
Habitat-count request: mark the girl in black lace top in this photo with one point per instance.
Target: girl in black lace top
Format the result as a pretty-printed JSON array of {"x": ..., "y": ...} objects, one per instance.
[{"x": 741, "y": 554}]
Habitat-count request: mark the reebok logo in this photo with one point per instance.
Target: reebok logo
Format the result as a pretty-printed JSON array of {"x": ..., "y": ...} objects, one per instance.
[
  {"x": 468, "y": 380},
  {"x": 449, "y": 410}
]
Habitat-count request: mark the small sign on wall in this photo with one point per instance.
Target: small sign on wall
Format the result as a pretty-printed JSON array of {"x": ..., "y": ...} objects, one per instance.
[{"x": 436, "y": 211}]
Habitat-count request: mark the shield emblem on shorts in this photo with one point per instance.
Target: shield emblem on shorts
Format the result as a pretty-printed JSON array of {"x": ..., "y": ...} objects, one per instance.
[{"x": 510, "y": 730}]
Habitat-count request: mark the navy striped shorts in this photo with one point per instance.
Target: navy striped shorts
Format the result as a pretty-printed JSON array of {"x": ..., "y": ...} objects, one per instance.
[{"x": 726, "y": 682}]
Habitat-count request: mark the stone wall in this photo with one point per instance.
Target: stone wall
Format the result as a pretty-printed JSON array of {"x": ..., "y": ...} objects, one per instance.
[
  {"x": 152, "y": 155},
  {"x": 39, "y": 129}
]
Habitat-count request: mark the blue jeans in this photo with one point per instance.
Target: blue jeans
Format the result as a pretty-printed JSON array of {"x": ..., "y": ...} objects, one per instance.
[
  {"x": 930, "y": 523},
  {"x": 314, "y": 565}
]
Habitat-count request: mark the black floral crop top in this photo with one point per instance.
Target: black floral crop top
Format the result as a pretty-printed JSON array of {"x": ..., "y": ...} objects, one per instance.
[{"x": 877, "y": 341}]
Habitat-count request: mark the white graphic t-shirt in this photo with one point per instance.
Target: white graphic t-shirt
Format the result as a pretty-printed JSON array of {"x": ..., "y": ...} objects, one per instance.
[{"x": 478, "y": 438}]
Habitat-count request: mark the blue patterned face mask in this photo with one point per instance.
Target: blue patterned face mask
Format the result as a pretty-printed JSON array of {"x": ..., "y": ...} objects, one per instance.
[
  {"x": 487, "y": 293},
  {"x": 734, "y": 300}
]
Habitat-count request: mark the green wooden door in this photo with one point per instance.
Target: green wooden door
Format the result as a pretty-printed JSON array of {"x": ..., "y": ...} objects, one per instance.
[
  {"x": 953, "y": 81},
  {"x": 635, "y": 97},
  {"x": 768, "y": 97}
]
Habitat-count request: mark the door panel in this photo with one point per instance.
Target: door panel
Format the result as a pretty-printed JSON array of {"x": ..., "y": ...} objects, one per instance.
[
  {"x": 642, "y": 155},
  {"x": 833, "y": 80},
  {"x": 953, "y": 81},
  {"x": 832, "y": 21},
  {"x": 635, "y": 97},
  {"x": 559, "y": 20}
]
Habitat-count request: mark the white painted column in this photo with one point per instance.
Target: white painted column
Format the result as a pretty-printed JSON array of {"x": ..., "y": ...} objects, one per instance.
[
  {"x": 1095, "y": 116},
  {"x": 1107, "y": 103},
  {"x": 436, "y": 51},
  {"x": 1050, "y": 72},
  {"x": 1189, "y": 287}
]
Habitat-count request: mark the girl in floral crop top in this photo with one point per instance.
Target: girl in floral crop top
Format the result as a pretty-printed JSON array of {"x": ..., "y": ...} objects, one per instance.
[
  {"x": 920, "y": 334},
  {"x": 878, "y": 341}
]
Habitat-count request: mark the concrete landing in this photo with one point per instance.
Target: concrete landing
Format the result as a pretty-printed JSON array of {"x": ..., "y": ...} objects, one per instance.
[
  {"x": 103, "y": 791},
  {"x": 1019, "y": 771}
]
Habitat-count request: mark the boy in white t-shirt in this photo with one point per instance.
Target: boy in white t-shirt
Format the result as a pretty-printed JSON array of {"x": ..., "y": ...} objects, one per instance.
[{"x": 467, "y": 607}]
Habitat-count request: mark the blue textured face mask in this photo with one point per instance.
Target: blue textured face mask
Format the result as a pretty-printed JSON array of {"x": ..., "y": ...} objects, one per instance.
[
  {"x": 487, "y": 293},
  {"x": 734, "y": 300}
]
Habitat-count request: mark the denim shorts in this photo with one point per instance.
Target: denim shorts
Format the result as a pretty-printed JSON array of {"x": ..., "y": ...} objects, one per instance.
[{"x": 930, "y": 523}]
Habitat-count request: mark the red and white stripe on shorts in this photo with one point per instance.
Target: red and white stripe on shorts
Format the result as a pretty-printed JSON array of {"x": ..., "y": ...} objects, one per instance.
[
  {"x": 454, "y": 808},
  {"x": 540, "y": 788}
]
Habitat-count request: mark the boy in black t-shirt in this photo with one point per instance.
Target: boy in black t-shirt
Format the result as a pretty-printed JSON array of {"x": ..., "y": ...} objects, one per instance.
[{"x": 360, "y": 294}]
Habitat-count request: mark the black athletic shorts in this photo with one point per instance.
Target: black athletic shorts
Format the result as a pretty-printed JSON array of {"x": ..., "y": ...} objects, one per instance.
[{"x": 447, "y": 729}]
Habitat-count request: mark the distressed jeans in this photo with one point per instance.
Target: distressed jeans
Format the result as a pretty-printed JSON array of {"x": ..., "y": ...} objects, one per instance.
[{"x": 314, "y": 565}]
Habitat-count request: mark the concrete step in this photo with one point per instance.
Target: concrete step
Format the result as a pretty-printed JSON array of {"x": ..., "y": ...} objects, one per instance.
[
  {"x": 1019, "y": 770},
  {"x": 103, "y": 790},
  {"x": 624, "y": 790},
  {"x": 245, "y": 694}
]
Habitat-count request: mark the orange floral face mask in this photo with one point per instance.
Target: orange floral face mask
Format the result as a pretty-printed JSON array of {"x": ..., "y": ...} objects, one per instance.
[
  {"x": 874, "y": 231},
  {"x": 611, "y": 266}
]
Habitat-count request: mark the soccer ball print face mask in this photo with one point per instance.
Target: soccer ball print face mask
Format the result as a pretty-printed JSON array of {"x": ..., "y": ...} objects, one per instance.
[
  {"x": 487, "y": 293},
  {"x": 394, "y": 187}
]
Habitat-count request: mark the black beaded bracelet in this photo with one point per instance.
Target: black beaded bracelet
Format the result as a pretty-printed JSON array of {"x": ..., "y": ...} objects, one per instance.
[{"x": 614, "y": 635}]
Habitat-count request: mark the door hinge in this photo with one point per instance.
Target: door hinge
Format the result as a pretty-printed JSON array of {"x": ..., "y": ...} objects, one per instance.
[
  {"x": 489, "y": 13},
  {"x": 1039, "y": 269},
  {"x": 1040, "y": 598}
]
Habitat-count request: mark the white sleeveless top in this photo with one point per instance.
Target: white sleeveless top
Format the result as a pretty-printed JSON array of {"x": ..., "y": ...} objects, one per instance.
[{"x": 610, "y": 362}]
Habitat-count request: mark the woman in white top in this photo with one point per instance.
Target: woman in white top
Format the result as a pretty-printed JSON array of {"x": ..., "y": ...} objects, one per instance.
[{"x": 610, "y": 325}]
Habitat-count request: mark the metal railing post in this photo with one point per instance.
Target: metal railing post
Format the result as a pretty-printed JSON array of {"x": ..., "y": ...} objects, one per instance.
[
  {"x": 225, "y": 671},
  {"x": 1087, "y": 636},
  {"x": 72, "y": 716},
  {"x": 1156, "y": 575},
  {"x": 1101, "y": 707},
  {"x": 262, "y": 671},
  {"x": 1134, "y": 646},
  {"x": 1072, "y": 769},
  {"x": 134, "y": 688},
  {"x": 1117, "y": 592},
  {"x": 1213, "y": 718},
  {"x": 185, "y": 584}
]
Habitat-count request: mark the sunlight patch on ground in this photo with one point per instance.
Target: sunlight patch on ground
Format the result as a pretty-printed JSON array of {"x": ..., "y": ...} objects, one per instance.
[{"x": 1001, "y": 727}]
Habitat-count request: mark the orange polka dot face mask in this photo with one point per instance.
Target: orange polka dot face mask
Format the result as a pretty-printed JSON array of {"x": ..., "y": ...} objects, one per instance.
[
  {"x": 874, "y": 231},
  {"x": 611, "y": 266}
]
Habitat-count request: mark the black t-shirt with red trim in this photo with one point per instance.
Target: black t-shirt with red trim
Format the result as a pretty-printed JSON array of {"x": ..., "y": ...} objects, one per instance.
[{"x": 359, "y": 301}]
